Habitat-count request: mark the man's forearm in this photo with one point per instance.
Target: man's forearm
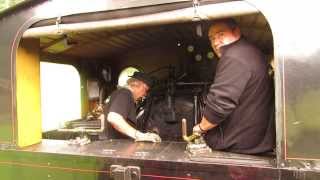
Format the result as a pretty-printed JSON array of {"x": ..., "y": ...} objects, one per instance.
[{"x": 121, "y": 125}]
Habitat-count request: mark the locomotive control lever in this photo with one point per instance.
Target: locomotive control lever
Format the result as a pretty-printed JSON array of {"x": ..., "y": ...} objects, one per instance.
[
  {"x": 184, "y": 132},
  {"x": 196, "y": 144}
]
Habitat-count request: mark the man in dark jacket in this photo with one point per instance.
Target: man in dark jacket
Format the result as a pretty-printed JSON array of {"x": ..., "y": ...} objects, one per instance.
[{"x": 238, "y": 113}]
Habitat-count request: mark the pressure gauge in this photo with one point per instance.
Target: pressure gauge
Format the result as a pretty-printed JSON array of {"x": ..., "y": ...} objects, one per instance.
[
  {"x": 198, "y": 57},
  {"x": 190, "y": 48},
  {"x": 210, "y": 55}
]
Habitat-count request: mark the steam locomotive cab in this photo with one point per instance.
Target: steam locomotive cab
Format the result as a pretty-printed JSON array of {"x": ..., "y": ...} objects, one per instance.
[{"x": 178, "y": 57}]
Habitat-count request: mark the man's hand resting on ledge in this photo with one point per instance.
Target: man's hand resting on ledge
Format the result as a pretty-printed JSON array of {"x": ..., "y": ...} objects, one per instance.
[{"x": 149, "y": 137}]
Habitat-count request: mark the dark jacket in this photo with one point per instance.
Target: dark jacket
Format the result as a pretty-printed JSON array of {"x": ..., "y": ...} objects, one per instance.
[{"x": 241, "y": 101}]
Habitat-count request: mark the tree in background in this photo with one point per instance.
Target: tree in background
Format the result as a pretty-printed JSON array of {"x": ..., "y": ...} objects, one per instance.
[{"x": 4, "y": 4}]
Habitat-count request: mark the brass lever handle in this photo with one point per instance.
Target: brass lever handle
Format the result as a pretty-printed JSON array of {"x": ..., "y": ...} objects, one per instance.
[{"x": 184, "y": 132}]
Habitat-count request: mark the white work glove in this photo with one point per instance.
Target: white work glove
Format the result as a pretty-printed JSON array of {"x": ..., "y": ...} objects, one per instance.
[
  {"x": 197, "y": 130},
  {"x": 149, "y": 137}
]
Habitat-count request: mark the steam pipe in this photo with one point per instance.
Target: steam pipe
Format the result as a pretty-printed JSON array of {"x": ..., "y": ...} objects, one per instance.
[
  {"x": 205, "y": 12},
  {"x": 184, "y": 128},
  {"x": 195, "y": 99}
]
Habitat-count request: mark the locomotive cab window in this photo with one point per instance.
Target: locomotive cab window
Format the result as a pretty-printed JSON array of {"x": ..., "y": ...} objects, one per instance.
[
  {"x": 59, "y": 81},
  {"x": 182, "y": 63}
]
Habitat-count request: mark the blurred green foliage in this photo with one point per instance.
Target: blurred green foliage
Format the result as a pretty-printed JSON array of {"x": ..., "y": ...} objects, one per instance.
[{"x": 4, "y": 4}]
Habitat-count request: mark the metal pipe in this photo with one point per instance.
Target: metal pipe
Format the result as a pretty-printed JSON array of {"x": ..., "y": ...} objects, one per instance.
[
  {"x": 205, "y": 12},
  {"x": 81, "y": 129},
  {"x": 193, "y": 83},
  {"x": 195, "y": 102},
  {"x": 184, "y": 128}
]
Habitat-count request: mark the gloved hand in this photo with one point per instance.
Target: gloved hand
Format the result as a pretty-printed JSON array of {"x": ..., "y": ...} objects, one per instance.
[
  {"x": 149, "y": 137},
  {"x": 197, "y": 130}
]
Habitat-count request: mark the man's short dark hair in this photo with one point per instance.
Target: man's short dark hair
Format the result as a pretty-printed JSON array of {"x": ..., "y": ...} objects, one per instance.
[{"x": 230, "y": 22}]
